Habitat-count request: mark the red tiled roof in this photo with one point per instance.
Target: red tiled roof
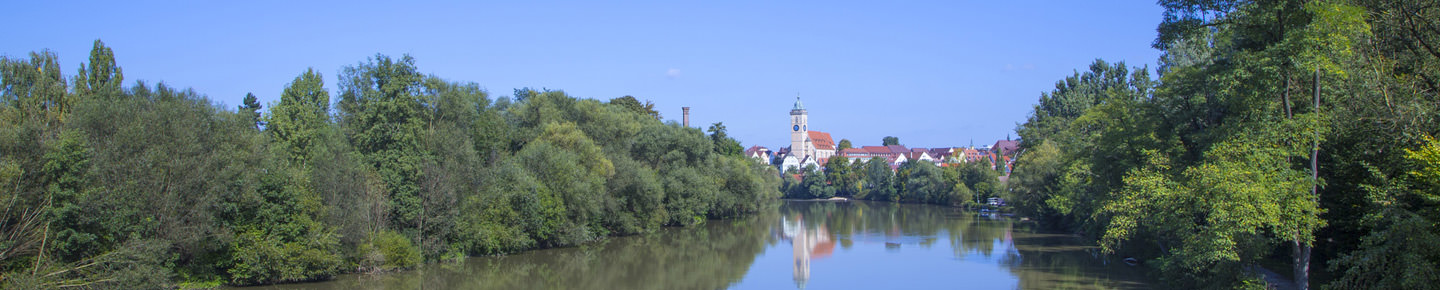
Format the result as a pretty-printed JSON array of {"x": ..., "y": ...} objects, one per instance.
[
  {"x": 1006, "y": 147},
  {"x": 822, "y": 140},
  {"x": 897, "y": 149},
  {"x": 756, "y": 148}
]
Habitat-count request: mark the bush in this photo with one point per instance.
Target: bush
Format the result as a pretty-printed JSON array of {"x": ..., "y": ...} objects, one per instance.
[
  {"x": 261, "y": 258},
  {"x": 388, "y": 251}
]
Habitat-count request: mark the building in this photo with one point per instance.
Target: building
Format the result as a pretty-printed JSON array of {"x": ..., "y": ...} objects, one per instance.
[
  {"x": 760, "y": 154},
  {"x": 974, "y": 155},
  {"x": 806, "y": 147},
  {"x": 1006, "y": 147}
]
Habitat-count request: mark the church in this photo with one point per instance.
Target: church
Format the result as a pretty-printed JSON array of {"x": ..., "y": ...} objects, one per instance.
[{"x": 806, "y": 147}]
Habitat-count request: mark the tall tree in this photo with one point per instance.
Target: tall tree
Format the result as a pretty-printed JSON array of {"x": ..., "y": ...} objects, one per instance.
[
  {"x": 383, "y": 114},
  {"x": 251, "y": 108},
  {"x": 101, "y": 77},
  {"x": 303, "y": 111}
]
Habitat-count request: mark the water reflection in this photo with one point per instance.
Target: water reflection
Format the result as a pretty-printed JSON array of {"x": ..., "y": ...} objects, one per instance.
[
  {"x": 821, "y": 245},
  {"x": 806, "y": 243},
  {"x": 888, "y": 245}
]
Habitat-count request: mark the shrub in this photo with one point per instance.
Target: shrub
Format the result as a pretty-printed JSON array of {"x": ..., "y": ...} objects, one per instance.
[{"x": 388, "y": 251}]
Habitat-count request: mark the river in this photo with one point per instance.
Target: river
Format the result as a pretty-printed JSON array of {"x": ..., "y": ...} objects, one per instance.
[{"x": 794, "y": 245}]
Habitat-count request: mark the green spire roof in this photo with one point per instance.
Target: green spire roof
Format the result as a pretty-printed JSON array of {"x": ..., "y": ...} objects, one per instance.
[{"x": 798, "y": 104}]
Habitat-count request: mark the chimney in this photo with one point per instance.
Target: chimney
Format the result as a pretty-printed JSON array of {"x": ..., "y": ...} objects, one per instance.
[{"x": 687, "y": 115}]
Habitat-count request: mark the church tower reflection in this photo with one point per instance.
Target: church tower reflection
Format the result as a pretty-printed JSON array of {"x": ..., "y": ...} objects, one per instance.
[{"x": 806, "y": 244}]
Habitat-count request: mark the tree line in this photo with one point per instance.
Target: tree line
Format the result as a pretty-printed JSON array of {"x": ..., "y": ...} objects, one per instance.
[
  {"x": 111, "y": 186},
  {"x": 965, "y": 184},
  {"x": 1294, "y": 132}
]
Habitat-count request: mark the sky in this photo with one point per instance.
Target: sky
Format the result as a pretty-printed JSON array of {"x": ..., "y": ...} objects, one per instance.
[{"x": 933, "y": 73}]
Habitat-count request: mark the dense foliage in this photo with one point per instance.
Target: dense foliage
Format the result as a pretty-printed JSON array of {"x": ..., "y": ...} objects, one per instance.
[
  {"x": 1210, "y": 170},
  {"x": 147, "y": 186}
]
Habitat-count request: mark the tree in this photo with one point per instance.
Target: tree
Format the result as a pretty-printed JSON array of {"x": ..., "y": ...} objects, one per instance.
[
  {"x": 1388, "y": 255},
  {"x": 382, "y": 113},
  {"x": 890, "y": 140},
  {"x": 630, "y": 103},
  {"x": 251, "y": 108},
  {"x": 844, "y": 144},
  {"x": 842, "y": 176},
  {"x": 303, "y": 111},
  {"x": 1036, "y": 181},
  {"x": 879, "y": 181},
  {"x": 102, "y": 77},
  {"x": 814, "y": 184},
  {"x": 925, "y": 183},
  {"x": 724, "y": 144}
]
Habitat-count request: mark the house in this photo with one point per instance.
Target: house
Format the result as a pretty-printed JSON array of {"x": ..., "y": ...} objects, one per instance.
[
  {"x": 760, "y": 154},
  {"x": 919, "y": 155},
  {"x": 1006, "y": 147},
  {"x": 788, "y": 162},
  {"x": 973, "y": 155},
  {"x": 897, "y": 160},
  {"x": 945, "y": 155}
]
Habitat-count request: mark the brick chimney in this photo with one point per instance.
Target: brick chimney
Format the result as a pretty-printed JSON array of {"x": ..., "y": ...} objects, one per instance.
[{"x": 687, "y": 116}]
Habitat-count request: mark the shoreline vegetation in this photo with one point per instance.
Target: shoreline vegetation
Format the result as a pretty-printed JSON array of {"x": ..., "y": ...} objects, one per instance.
[
  {"x": 115, "y": 186},
  {"x": 1285, "y": 134},
  {"x": 964, "y": 185}
]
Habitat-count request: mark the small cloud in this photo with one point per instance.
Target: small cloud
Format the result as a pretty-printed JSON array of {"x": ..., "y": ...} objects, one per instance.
[{"x": 673, "y": 73}]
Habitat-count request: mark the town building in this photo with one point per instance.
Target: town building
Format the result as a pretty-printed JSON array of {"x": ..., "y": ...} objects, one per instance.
[
  {"x": 760, "y": 154},
  {"x": 814, "y": 148}
]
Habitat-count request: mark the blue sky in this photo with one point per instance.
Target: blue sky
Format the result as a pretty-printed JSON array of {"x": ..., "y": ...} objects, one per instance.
[{"x": 933, "y": 73}]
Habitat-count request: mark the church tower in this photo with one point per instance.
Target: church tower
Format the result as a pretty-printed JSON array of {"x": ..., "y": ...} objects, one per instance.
[{"x": 799, "y": 131}]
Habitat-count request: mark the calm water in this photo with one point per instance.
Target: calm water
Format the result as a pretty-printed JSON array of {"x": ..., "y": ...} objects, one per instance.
[{"x": 802, "y": 244}]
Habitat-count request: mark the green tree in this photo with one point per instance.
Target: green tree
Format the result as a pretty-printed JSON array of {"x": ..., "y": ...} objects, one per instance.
[
  {"x": 815, "y": 184},
  {"x": 1393, "y": 254},
  {"x": 842, "y": 176},
  {"x": 382, "y": 113},
  {"x": 844, "y": 144},
  {"x": 630, "y": 103},
  {"x": 251, "y": 107},
  {"x": 879, "y": 181},
  {"x": 890, "y": 140},
  {"x": 101, "y": 78},
  {"x": 297, "y": 121},
  {"x": 724, "y": 145}
]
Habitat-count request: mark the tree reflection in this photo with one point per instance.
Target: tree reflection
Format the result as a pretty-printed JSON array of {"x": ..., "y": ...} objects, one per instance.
[
  {"x": 710, "y": 256},
  {"x": 720, "y": 253}
]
